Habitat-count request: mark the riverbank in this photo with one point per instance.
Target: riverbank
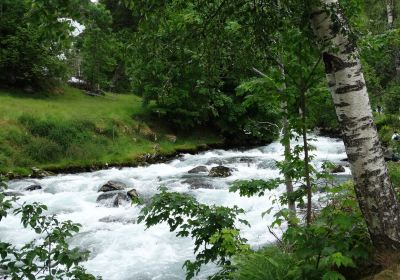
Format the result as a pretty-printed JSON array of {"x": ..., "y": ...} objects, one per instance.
[{"x": 69, "y": 131}]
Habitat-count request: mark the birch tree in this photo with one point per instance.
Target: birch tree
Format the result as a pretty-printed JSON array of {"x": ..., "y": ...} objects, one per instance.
[{"x": 375, "y": 193}]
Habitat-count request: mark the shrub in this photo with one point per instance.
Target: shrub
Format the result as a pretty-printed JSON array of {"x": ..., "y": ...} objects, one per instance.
[
  {"x": 47, "y": 257},
  {"x": 269, "y": 263}
]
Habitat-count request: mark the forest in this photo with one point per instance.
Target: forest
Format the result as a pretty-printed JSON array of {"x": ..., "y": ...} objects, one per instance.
[{"x": 193, "y": 139}]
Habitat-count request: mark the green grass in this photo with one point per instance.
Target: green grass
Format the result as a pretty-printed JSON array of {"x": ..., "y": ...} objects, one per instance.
[{"x": 70, "y": 129}]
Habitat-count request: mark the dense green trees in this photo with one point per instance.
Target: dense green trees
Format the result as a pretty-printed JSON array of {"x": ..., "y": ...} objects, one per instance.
[{"x": 34, "y": 37}]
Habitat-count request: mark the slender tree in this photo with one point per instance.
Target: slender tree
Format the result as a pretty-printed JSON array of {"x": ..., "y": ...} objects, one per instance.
[
  {"x": 390, "y": 13},
  {"x": 375, "y": 193}
]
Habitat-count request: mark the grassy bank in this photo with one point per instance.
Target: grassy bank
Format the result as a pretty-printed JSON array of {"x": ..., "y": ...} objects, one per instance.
[{"x": 69, "y": 128}]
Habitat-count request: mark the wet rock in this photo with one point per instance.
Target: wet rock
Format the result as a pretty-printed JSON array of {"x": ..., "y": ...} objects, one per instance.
[
  {"x": 198, "y": 183},
  {"x": 218, "y": 161},
  {"x": 323, "y": 185},
  {"x": 12, "y": 193},
  {"x": 198, "y": 169},
  {"x": 39, "y": 173},
  {"x": 11, "y": 176},
  {"x": 246, "y": 159},
  {"x": 116, "y": 219},
  {"x": 132, "y": 194},
  {"x": 389, "y": 155},
  {"x": 220, "y": 171},
  {"x": 33, "y": 187},
  {"x": 269, "y": 164},
  {"x": 112, "y": 186},
  {"x": 396, "y": 137},
  {"x": 113, "y": 198},
  {"x": 338, "y": 169}
]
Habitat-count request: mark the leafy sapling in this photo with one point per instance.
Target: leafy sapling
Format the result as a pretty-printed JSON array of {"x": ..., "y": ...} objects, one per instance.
[
  {"x": 48, "y": 257},
  {"x": 213, "y": 228}
]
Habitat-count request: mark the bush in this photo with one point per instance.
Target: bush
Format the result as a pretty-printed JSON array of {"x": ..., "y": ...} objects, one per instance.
[
  {"x": 333, "y": 246},
  {"x": 47, "y": 257},
  {"x": 269, "y": 263}
]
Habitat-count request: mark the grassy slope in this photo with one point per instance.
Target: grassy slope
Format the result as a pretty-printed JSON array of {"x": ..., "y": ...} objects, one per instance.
[{"x": 72, "y": 129}]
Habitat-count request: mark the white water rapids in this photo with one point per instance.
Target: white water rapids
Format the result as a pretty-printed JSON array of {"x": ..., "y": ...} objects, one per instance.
[{"x": 120, "y": 248}]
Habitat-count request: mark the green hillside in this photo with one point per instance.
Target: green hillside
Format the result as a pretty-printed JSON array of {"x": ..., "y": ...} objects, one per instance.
[{"x": 71, "y": 129}]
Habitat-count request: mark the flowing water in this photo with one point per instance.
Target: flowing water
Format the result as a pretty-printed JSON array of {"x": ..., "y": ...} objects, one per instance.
[{"x": 120, "y": 248}]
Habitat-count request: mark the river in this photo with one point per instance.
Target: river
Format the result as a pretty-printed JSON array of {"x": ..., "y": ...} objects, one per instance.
[{"x": 120, "y": 248}]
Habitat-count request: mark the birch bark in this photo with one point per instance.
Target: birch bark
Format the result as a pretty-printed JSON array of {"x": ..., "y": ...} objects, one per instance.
[{"x": 375, "y": 194}]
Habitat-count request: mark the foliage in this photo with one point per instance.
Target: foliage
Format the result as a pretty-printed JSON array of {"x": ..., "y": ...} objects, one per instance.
[
  {"x": 98, "y": 49},
  {"x": 213, "y": 228},
  {"x": 330, "y": 248},
  {"x": 33, "y": 39},
  {"x": 337, "y": 238},
  {"x": 268, "y": 263},
  {"x": 47, "y": 257}
]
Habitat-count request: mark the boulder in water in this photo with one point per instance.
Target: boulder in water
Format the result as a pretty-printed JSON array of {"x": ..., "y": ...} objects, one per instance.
[
  {"x": 39, "y": 173},
  {"x": 198, "y": 183},
  {"x": 198, "y": 169},
  {"x": 12, "y": 193},
  {"x": 116, "y": 219},
  {"x": 33, "y": 187},
  {"x": 132, "y": 194},
  {"x": 267, "y": 164},
  {"x": 338, "y": 169},
  {"x": 220, "y": 171},
  {"x": 113, "y": 198},
  {"x": 112, "y": 186}
]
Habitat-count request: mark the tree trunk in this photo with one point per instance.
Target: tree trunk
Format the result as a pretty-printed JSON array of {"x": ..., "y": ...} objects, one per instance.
[
  {"x": 287, "y": 151},
  {"x": 286, "y": 136},
  {"x": 390, "y": 12},
  {"x": 286, "y": 140},
  {"x": 303, "y": 114},
  {"x": 390, "y": 20},
  {"x": 375, "y": 194}
]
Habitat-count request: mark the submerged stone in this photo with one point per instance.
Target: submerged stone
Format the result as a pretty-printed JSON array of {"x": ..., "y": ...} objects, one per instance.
[
  {"x": 33, "y": 187},
  {"x": 220, "y": 171},
  {"x": 198, "y": 169},
  {"x": 113, "y": 198}
]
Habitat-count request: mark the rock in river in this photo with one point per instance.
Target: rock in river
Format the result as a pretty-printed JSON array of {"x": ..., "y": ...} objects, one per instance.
[
  {"x": 220, "y": 171},
  {"x": 338, "y": 169},
  {"x": 12, "y": 193},
  {"x": 198, "y": 183},
  {"x": 133, "y": 194},
  {"x": 113, "y": 198},
  {"x": 39, "y": 173},
  {"x": 112, "y": 186},
  {"x": 198, "y": 169},
  {"x": 33, "y": 187}
]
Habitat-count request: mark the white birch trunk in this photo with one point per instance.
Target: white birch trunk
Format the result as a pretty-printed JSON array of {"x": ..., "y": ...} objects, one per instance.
[{"x": 375, "y": 194}]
